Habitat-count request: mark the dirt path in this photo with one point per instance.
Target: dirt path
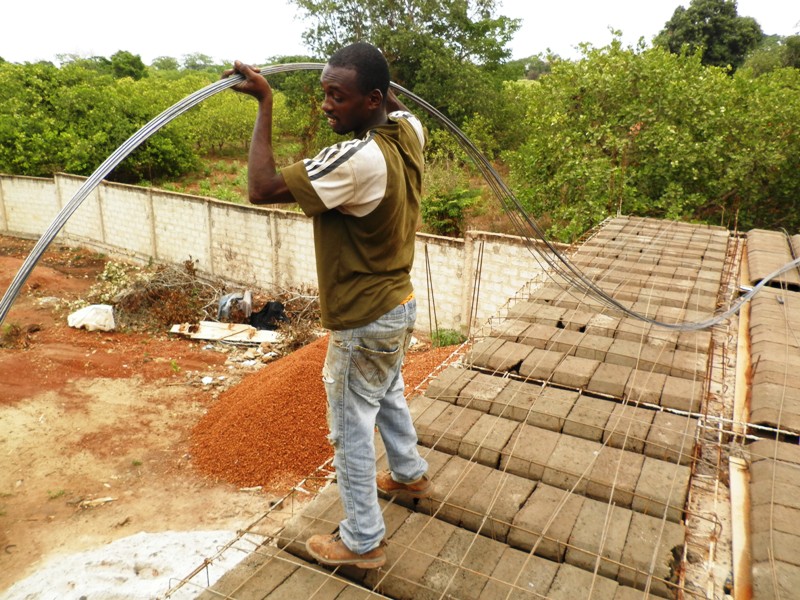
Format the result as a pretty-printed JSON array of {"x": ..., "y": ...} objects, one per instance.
[{"x": 95, "y": 427}]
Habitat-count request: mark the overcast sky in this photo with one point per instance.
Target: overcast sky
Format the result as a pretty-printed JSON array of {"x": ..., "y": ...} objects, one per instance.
[{"x": 256, "y": 30}]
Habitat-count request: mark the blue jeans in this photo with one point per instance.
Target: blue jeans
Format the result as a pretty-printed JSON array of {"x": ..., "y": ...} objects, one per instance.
[{"x": 365, "y": 388}]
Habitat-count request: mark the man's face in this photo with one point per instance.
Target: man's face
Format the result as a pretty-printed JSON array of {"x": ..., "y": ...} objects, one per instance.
[{"x": 345, "y": 106}]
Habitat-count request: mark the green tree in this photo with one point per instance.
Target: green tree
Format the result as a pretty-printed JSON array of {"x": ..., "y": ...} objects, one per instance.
[
  {"x": 93, "y": 63},
  {"x": 451, "y": 53},
  {"x": 86, "y": 119},
  {"x": 199, "y": 62},
  {"x": 775, "y": 52},
  {"x": 126, "y": 64},
  {"x": 532, "y": 67},
  {"x": 71, "y": 119},
  {"x": 165, "y": 63},
  {"x": 168, "y": 153},
  {"x": 765, "y": 150},
  {"x": 28, "y": 129},
  {"x": 791, "y": 57},
  {"x": 224, "y": 121},
  {"x": 650, "y": 133},
  {"x": 713, "y": 28}
]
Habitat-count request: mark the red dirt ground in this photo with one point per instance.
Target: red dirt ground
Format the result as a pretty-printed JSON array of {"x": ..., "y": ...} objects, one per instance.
[{"x": 108, "y": 418}]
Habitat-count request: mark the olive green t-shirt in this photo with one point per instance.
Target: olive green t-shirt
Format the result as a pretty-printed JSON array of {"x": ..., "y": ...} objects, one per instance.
[{"x": 363, "y": 196}]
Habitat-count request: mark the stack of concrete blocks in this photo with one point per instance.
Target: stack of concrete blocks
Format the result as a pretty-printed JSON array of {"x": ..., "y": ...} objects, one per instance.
[
  {"x": 774, "y": 464},
  {"x": 561, "y": 446}
]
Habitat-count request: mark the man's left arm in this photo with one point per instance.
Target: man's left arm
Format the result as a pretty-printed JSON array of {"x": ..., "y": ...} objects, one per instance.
[{"x": 393, "y": 103}]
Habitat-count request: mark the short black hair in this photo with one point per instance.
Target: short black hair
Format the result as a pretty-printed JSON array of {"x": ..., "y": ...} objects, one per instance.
[{"x": 372, "y": 70}]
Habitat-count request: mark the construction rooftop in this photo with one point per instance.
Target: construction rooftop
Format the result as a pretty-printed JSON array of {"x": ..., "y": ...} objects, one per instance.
[{"x": 579, "y": 453}]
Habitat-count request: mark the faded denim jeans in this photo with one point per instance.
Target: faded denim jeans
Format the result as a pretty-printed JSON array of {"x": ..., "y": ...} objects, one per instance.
[{"x": 365, "y": 388}]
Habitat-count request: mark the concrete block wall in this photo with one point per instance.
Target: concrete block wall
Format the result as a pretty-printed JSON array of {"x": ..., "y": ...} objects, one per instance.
[
  {"x": 87, "y": 220},
  {"x": 242, "y": 240},
  {"x": 127, "y": 219},
  {"x": 439, "y": 265},
  {"x": 504, "y": 263},
  {"x": 29, "y": 204},
  {"x": 181, "y": 230},
  {"x": 260, "y": 248},
  {"x": 295, "y": 263}
]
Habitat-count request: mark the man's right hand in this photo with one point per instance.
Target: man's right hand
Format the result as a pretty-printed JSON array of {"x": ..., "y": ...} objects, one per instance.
[{"x": 254, "y": 83}]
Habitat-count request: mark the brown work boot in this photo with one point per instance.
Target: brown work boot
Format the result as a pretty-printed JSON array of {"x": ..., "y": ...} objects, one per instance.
[
  {"x": 330, "y": 550},
  {"x": 421, "y": 488}
]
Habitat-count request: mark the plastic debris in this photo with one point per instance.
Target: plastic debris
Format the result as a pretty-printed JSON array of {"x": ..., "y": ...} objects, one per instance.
[
  {"x": 95, "y": 317},
  {"x": 238, "y": 305},
  {"x": 269, "y": 316}
]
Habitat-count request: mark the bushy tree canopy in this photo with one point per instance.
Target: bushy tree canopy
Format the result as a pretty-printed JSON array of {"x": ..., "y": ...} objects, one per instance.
[
  {"x": 713, "y": 27},
  {"x": 775, "y": 52},
  {"x": 100, "y": 64},
  {"x": 656, "y": 134},
  {"x": 126, "y": 64},
  {"x": 165, "y": 63},
  {"x": 637, "y": 131},
  {"x": 197, "y": 61},
  {"x": 448, "y": 52},
  {"x": 72, "y": 118}
]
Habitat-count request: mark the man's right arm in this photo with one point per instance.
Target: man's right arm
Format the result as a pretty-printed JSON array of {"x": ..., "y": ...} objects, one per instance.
[{"x": 265, "y": 185}]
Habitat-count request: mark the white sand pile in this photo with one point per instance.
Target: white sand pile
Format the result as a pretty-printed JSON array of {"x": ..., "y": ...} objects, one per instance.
[{"x": 140, "y": 567}]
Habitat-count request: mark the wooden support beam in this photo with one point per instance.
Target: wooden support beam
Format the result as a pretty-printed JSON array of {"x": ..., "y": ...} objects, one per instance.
[
  {"x": 740, "y": 525},
  {"x": 741, "y": 399},
  {"x": 738, "y": 467}
]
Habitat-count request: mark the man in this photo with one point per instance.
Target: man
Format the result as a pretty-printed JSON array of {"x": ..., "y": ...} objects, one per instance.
[{"x": 363, "y": 196}]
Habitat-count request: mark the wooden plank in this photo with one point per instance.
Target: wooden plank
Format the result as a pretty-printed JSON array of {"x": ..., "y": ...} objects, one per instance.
[
  {"x": 740, "y": 517},
  {"x": 226, "y": 332},
  {"x": 741, "y": 400}
]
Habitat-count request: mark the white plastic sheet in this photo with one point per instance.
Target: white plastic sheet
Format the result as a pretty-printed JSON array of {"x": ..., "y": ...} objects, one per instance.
[{"x": 92, "y": 318}]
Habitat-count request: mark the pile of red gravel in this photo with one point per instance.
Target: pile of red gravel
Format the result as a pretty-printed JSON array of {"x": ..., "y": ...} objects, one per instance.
[{"x": 270, "y": 430}]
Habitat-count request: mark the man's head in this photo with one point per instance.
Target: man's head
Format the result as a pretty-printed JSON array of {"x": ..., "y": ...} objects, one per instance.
[
  {"x": 366, "y": 60},
  {"x": 355, "y": 82}
]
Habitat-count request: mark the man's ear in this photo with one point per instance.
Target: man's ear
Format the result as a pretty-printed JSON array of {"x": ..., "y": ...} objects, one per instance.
[{"x": 375, "y": 99}]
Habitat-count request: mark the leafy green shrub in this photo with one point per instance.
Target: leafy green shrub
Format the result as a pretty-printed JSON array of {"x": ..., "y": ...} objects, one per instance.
[
  {"x": 444, "y": 213},
  {"x": 115, "y": 279},
  {"x": 446, "y": 337},
  {"x": 71, "y": 119},
  {"x": 228, "y": 194},
  {"x": 649, "y": 133},
  {"x": 480, "y": 131},
  {"x": 11, "y": 335},
  {"x": 447, "y": 199},
  {"x": 443, "y": 148}
]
